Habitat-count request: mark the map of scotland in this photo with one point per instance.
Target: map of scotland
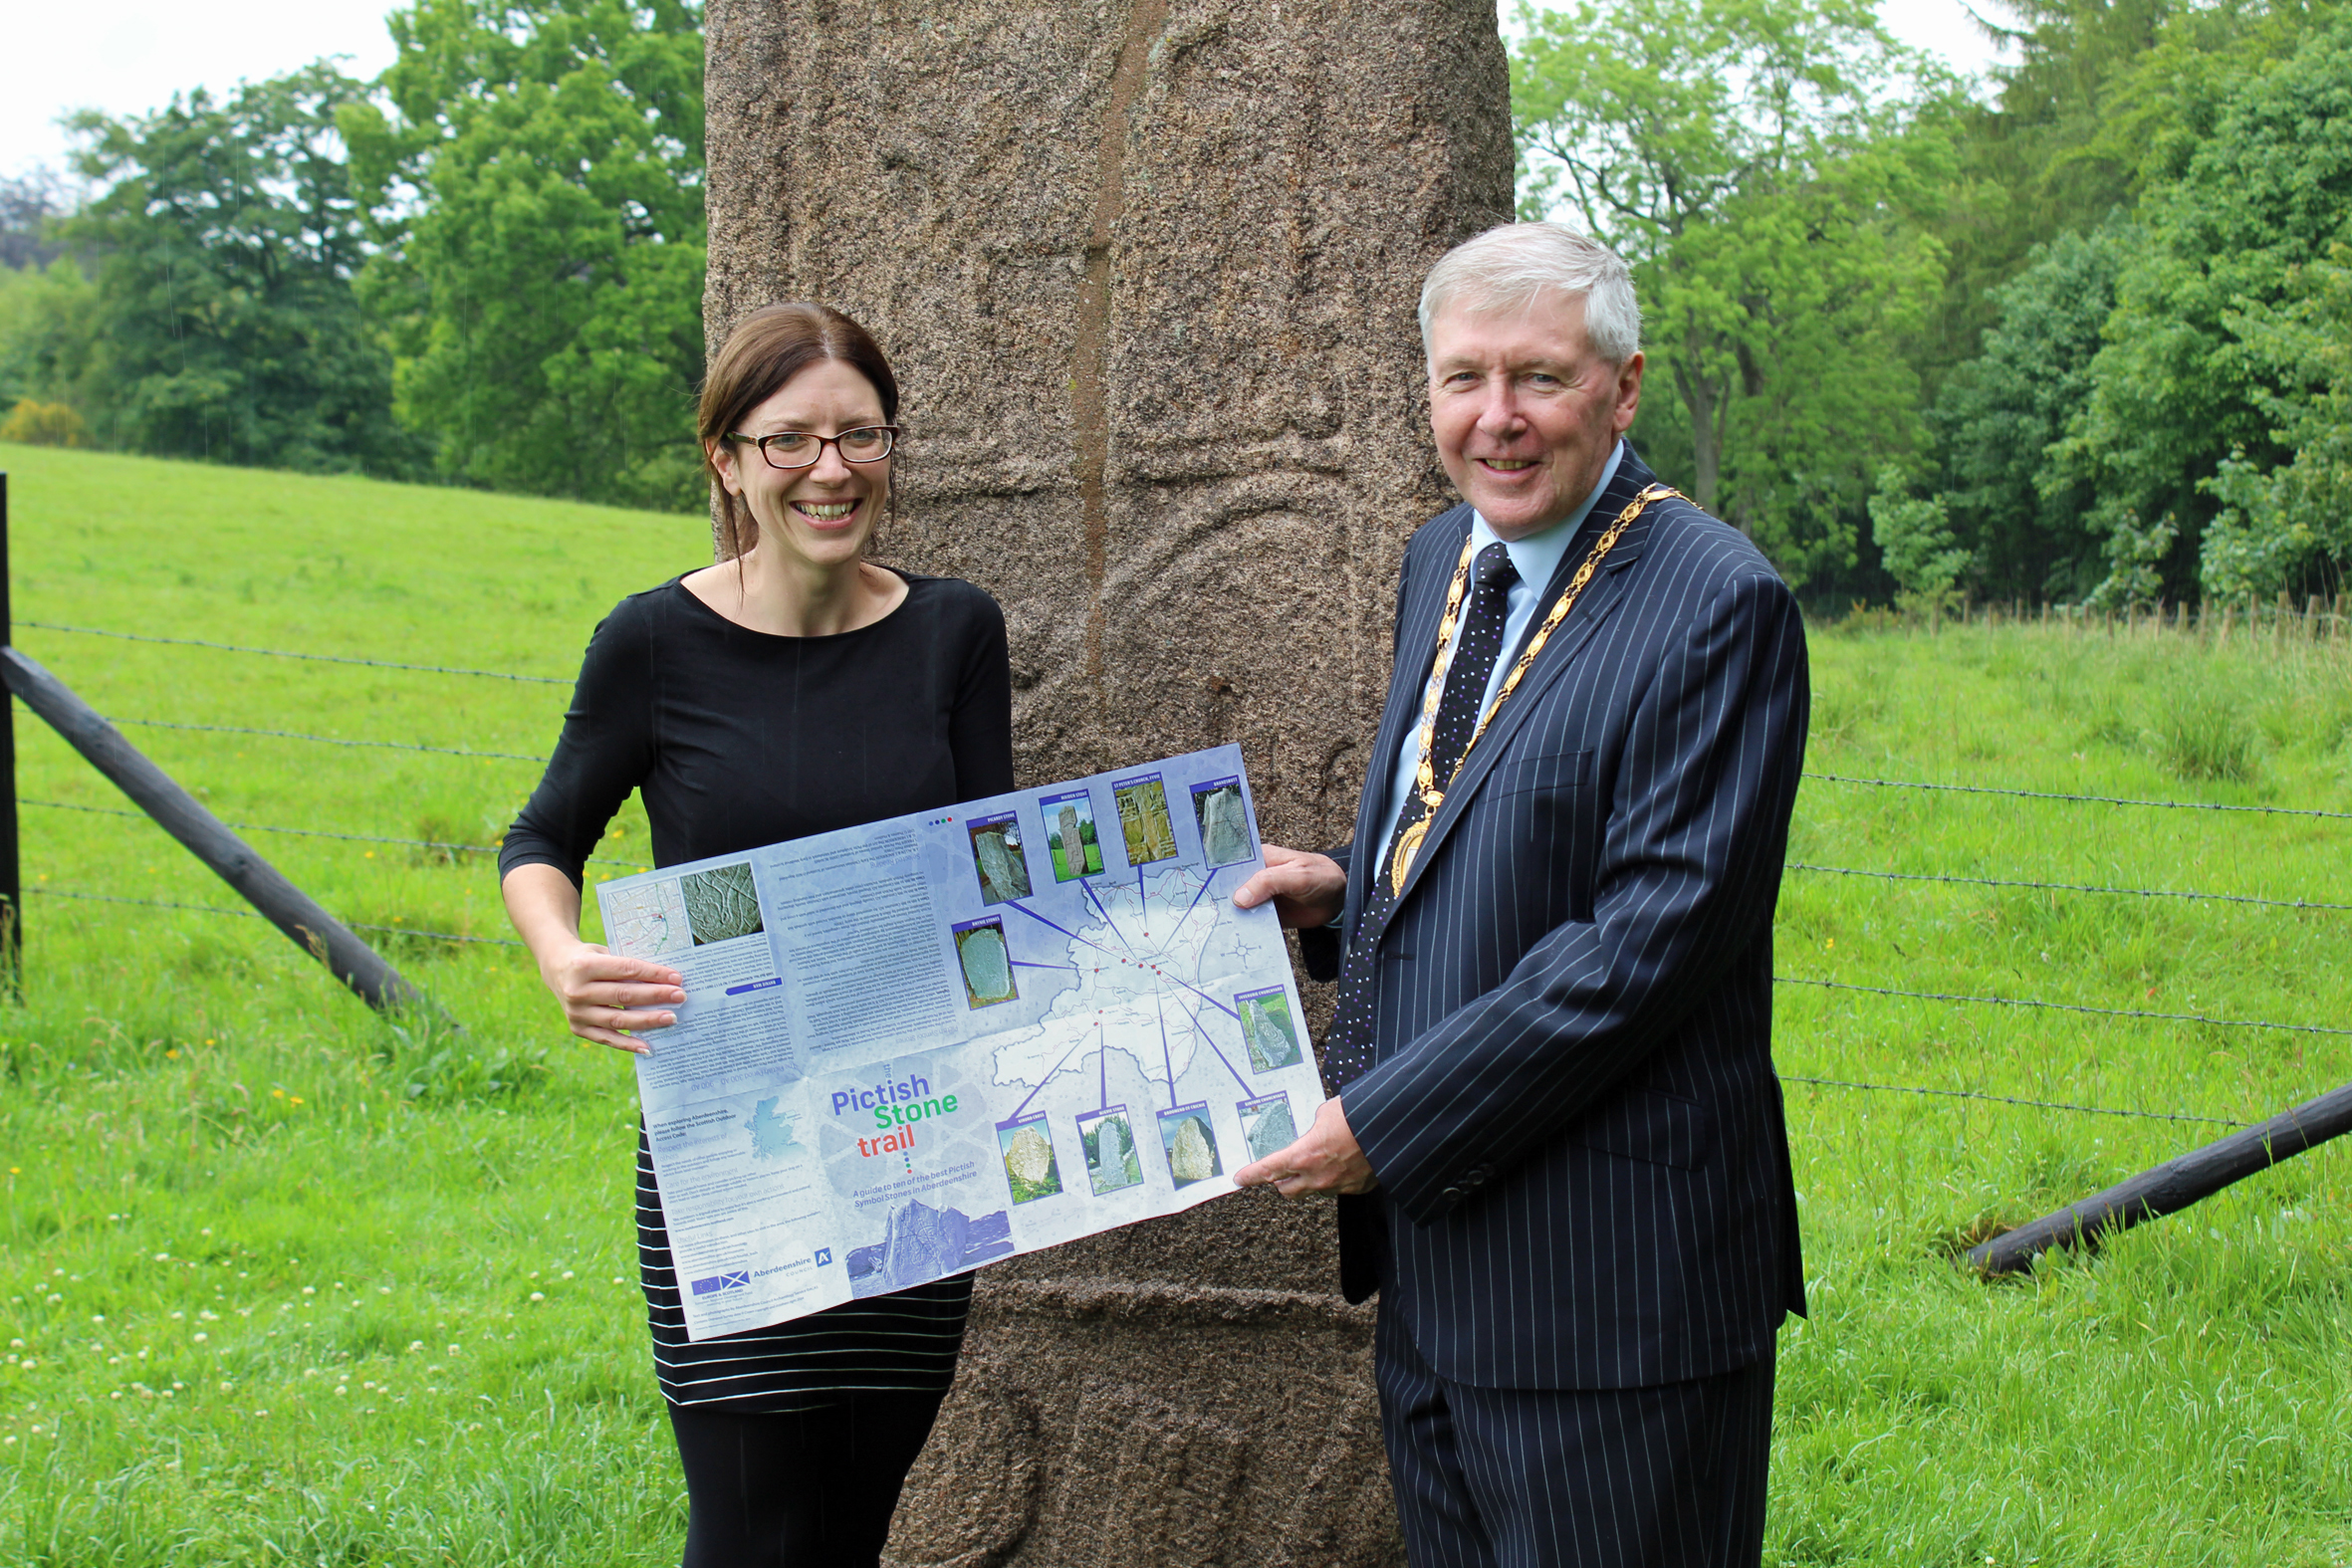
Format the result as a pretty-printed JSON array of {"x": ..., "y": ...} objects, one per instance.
[{"x": 918, "y": 1045}]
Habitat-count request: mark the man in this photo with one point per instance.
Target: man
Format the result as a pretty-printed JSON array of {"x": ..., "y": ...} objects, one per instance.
[{"x": 1556, "y": 1122}]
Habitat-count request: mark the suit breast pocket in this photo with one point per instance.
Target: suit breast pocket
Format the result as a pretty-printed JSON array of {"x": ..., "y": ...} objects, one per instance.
[
  {"x": 1554, "y": 801},
  {"x": 1547, "y": 771}
]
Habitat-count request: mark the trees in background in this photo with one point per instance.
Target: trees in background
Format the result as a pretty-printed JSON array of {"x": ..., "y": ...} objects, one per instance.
[
  {"x": 538, "y": 188},
  {"x": 2082, "y": 331},
  {"x": 2098, "y": 320},
  {"x": 1766, "y": 166},
  {"x": 217, "y": 317},
  {"x": 1999, "y": 415},
  {"x": 2208, "y": 355},
  {"x": 487, "y": 266}
]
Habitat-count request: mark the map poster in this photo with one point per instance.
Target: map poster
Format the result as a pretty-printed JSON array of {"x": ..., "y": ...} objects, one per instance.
[{"x": 919, "y": 1045}]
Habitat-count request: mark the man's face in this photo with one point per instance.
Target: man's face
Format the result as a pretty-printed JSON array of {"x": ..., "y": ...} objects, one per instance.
[{"x": 1524, "y": 412}]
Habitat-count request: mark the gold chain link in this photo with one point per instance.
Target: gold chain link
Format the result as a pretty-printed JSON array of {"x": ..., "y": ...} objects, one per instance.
[{"x": 1408, "y": 844}]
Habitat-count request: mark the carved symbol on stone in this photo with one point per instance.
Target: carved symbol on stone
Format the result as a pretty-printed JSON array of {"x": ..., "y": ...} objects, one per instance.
[
  {"x": 1146, "y": 1485},
  {"x": 974, "y": 1493}
]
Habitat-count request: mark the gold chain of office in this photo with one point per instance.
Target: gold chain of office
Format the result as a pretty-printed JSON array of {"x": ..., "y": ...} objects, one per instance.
[{"x": 1408, "y": 842}]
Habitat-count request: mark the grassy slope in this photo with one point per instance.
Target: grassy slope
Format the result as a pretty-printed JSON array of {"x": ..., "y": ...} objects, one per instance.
[{"x": 190, "y": 1086}]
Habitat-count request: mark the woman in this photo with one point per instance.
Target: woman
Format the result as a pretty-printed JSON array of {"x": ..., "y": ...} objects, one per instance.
[{"x": 795, "y": 689}]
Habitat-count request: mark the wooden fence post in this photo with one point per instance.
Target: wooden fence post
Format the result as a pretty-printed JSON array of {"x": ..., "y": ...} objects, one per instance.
[
  {"x": 178, "y": 812},
  {"x": 12, "y": 910},
  {"x": 2173, "y": 1186}
]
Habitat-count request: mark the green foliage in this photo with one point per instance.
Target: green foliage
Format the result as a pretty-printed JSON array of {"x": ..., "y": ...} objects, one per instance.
[
  {"x": 224, "y": 324},
  {"x": 2056, "y": 150},
  {"x": 1916, "y": 543},
  {"x": 541, "y": 185},
  {"x": 2279, "y": 523},
  {"x": 1998, "y": 415},
  {"x": 1763, "y": 164},
  {"x": 48, "y": 328},
  {"x": 2202, "y": 347}
]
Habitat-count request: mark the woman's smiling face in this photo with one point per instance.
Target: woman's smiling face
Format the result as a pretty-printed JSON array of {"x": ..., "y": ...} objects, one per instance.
[{"x": 821, "y": 514}]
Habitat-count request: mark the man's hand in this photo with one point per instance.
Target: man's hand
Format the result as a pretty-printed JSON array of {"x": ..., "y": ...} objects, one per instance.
[
  {"x": 1306, "y": 890},
  {"x": 1325, "y": 1160}
]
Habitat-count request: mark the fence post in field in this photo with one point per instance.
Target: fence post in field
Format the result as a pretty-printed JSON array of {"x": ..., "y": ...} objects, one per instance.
[
  {"x": 2173, "y": 1186},
  {"x": 12, "y": 904},
  {"x": 179, "y": 814}
]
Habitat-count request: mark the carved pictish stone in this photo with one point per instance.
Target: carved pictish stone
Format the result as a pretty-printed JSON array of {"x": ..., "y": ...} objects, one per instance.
[{"x": 1146, "y": 270}]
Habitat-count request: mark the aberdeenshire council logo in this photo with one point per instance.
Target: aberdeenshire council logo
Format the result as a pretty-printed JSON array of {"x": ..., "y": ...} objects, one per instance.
[{"x": 734, "y": 1281}]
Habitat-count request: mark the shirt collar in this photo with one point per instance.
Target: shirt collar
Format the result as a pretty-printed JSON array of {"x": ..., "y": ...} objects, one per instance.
[{"x": 1536, "y": 558}]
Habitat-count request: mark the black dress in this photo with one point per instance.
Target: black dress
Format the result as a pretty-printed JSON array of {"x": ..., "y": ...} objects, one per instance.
[{"x": 739, "y": 739}]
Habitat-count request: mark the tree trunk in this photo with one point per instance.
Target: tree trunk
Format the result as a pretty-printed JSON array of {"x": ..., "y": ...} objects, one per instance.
[{"x": 1704, "y": 401}]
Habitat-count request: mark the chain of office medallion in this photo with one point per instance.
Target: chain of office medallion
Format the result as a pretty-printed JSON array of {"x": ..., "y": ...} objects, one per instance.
[{"x": 1425, "y": 776}]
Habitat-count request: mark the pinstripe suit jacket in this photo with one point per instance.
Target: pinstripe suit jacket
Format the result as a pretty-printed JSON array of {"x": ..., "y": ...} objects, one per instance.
[{"x": 1583, "y": 1167}]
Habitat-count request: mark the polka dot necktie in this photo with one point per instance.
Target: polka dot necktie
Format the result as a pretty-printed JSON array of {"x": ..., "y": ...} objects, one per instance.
[{"x": 1348, "y": 1049}]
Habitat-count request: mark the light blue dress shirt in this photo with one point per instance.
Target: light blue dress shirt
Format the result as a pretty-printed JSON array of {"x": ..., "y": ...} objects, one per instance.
[{"x": 1536, "y": 559}]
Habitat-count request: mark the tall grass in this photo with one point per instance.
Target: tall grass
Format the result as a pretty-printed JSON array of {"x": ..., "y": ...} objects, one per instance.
[{"x": 409, "y": 1254}]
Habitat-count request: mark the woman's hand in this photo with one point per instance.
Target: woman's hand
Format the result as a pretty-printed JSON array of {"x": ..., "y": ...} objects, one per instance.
[{"x": 605, "y": 996}]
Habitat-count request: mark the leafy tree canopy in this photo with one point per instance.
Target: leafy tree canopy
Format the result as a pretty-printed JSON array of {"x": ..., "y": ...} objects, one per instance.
[
  {"x": 2205, "y": 359},
  {"x": 224, "y": 324},
  {"x": 1998, "y": 415},
  {"x": 539, "y": 179},
  {"x": 1765, "y": 165}
]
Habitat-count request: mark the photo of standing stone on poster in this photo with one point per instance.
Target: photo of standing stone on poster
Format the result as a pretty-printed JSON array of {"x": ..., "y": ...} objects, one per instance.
[{"x": 919, "y": 1045}]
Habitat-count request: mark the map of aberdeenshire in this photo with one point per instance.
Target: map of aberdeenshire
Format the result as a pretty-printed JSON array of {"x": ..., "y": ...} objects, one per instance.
[
  {"x": 1145, "y": 974},
  {"x": 918, "y": 1045}
]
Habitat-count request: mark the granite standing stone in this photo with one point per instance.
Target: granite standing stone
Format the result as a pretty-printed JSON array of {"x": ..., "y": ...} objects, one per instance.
[{"x": 1146, "y": 269}]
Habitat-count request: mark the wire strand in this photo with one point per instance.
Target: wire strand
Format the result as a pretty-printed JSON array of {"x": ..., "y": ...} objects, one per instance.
[
  {"x": 321, "y": 739},
  {"x": 281, "y": 653},
  {"x": 255, "y": 914},
  {"x": 2068, "y": 887},
  {"x": 2009, "y": 1099},
  {"x": 320, "y": 832},
  {"x": 2061, "y": 1007},
  {"x": 2101, "y": 800}
]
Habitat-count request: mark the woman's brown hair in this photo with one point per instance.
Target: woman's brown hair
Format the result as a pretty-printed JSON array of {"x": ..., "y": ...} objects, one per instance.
[{"x": 768, "y": 348}]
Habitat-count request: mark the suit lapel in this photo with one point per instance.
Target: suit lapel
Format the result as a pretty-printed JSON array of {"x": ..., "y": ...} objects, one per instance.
[
  {"x": 1416, "y": 650},
  {"x": 1600, "y": 600}
]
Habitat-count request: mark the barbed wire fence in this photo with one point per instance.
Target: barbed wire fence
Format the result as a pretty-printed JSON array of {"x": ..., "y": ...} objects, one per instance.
[{"x": 459, "y": 850}]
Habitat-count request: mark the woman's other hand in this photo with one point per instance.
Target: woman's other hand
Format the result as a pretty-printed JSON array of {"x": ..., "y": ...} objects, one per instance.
[{"x": 605, "y": 996}]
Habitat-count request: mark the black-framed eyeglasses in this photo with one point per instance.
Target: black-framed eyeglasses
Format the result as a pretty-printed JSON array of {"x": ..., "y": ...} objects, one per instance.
[{"x": 798, "y": 449}]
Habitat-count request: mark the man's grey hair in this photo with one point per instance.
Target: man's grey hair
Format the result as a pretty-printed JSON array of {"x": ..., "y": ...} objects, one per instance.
[{"x": 1511, "y": 266}]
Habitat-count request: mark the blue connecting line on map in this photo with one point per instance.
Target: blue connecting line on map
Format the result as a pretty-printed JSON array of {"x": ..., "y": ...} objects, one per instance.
[
  {"x": 1025, "y": 963},
  {"x": 1211, "y": 1042},
  {"x": 1106, "y": 920},
  {"x": 1074, "y": 935},
  {"x": 1205, "y": 997},
  {"x": 1167, "y": 1060},
  {"x": 1102, "y": 1057}
]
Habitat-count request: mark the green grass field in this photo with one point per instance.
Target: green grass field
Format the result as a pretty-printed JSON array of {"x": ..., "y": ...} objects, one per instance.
[{"x": 293, "y": 1288}]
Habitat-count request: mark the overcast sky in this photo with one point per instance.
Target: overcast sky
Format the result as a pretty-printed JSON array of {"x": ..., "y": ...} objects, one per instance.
[{"x": 130, "y": 55}]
